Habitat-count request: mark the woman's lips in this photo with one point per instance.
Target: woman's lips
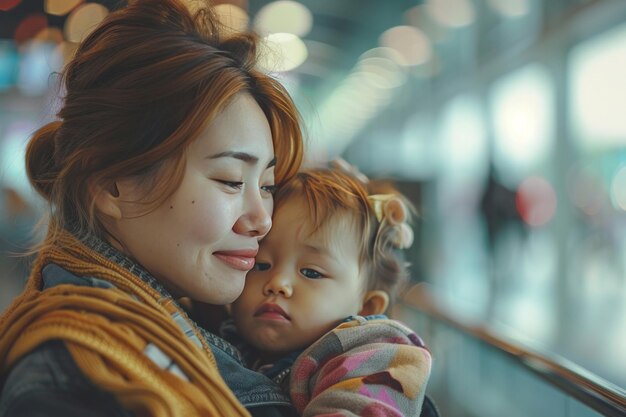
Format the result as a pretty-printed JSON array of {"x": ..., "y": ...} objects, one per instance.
[
  {"x": 272, "y": 312},
  {"x": 242, "y": 260}
]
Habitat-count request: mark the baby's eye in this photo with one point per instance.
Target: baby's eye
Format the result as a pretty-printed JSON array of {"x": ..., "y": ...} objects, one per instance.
[
  {"x": 311, "y": 273},
  {"x": 261, "y": 266},
  {"x": 269, "y": 189}
]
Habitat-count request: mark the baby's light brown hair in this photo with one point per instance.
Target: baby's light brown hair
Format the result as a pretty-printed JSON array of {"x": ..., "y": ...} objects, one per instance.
[{"x": 331, "y": 193}]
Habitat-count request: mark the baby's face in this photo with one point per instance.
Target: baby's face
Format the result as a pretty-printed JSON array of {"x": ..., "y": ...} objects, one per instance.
[{"x": 302, "y": 285}]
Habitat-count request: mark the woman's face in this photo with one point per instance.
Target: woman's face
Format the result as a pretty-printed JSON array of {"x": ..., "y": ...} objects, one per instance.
[{"x": 203, "y": 240}]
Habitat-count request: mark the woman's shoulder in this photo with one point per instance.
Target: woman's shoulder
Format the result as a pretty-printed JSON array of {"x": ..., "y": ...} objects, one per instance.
[{"x": 48, "y": 381}]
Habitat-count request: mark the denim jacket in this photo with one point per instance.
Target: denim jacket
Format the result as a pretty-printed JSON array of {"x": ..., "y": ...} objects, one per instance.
[{"x": 48, "y": 382}]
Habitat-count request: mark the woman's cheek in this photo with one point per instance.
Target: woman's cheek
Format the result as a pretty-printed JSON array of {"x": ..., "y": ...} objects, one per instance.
[{"x": 206, "y": 227}]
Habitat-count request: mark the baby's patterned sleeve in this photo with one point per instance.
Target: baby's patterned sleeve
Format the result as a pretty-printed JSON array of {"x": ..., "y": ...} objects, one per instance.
[{"x": 362, "y": 368}]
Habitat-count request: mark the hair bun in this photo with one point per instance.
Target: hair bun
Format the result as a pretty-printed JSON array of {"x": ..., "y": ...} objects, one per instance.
[
  {"x": 242, "y": 47},
  {"x": 41, "y": 164}
]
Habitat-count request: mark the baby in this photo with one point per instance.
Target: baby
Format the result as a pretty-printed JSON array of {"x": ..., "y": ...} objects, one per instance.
[{"x": 312, "y": 308}]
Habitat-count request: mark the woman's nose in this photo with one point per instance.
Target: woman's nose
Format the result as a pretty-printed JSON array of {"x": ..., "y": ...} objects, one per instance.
[
  {"x": 256, "y": 219},
  {"x": 278, "y": 284}
]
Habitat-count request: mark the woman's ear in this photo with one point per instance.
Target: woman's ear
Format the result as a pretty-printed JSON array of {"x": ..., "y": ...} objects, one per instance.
[
  {"x": 107, "y": 200},
  {"x": 374, "y": 302}
]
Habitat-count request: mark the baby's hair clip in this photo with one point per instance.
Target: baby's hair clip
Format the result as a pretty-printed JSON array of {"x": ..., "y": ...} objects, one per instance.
[
  {"x": 388, "y": 206},
  {"x": 391, "y": 208}
]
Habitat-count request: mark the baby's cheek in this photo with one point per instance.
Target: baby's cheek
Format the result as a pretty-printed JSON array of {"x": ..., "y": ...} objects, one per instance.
[
  {"x": 242, "y": 315},
  {"x": 246, "y": 295},
  {"x": 252, "y": 290}
]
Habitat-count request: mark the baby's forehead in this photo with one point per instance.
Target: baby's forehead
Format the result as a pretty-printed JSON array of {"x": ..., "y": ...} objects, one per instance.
[
  {"x": 333, "y": 233},
  {"x": 317, "y": 218}
]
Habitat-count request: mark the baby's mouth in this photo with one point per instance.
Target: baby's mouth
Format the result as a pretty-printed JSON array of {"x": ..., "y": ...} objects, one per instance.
[{"x": 271, "y": 311}]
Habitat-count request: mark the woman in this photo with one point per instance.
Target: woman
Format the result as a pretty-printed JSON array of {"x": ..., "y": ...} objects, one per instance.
[{"x": 159, "y": 174}]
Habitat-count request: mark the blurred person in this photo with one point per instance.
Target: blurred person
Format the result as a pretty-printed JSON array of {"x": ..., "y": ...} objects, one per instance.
[
  {"x": 311, "y": 313},
  {"x": 159, "y": 175}
]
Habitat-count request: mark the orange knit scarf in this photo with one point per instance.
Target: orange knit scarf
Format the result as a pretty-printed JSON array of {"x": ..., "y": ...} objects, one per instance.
[{"x": 107, "y": 330}]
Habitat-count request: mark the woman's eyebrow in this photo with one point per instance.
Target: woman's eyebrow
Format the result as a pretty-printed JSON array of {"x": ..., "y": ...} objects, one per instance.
[{"x": 242, "y": 156}]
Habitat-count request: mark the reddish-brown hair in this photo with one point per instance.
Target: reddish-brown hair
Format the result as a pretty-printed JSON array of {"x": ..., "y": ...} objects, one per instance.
[
  {"x": 334, "y": 195},
  {"x": 140, "y": 89}
]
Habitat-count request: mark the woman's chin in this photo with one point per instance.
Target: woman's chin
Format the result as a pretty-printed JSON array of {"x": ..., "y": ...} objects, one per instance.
[{"x": 227, "y": 292}]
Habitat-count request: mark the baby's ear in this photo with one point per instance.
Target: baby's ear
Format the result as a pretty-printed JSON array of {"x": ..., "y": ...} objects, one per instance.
[{"x": 374, "y": 302}]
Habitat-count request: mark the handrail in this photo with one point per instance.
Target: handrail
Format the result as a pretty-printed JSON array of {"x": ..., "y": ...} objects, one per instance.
[{"x": 593, "y": 391}]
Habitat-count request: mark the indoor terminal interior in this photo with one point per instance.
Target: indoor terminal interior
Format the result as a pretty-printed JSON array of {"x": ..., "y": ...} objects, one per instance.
[{"x": 502, "y": 121}]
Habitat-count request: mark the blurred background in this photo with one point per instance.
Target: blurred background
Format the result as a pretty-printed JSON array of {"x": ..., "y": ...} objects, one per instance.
[{"x": 504, "y": 121}]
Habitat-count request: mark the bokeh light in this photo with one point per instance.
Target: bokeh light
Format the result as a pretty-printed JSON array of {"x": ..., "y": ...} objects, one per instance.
[
  {"x": 49, "y": 34},
  {"x": 29, "y": 27},
  {"x": 284, "y": 16},
  {"x": 463, "y": 149},
  {"x": 60, "y": 7},
  {"x": 242, "y": 4},
  {"x": 598, "y": 90},
  {"x": 83, "y": 20},
  {"x": 379, "y": 72},
  {"x": 9, "y": 61},
  {"x": 66, "y": 51},
  {"x": 282, "y": 52},
  {"x": 451, "y": 13},
  {"x": 510, "y": 8},
  {"x": 522, "y": 104},
  {"x": 536, "y": 201},
  {"x": 411, "y": 43},
  {"x": 6, "y": 5},
  {"x": 234, "y": 18}
]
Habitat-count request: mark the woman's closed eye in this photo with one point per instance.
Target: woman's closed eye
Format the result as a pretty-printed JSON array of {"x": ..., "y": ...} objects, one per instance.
[
  {"x": 311, "y": 273},
  {"x": 232, "y": 184},
  {"x": 238, "y": 185}
]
